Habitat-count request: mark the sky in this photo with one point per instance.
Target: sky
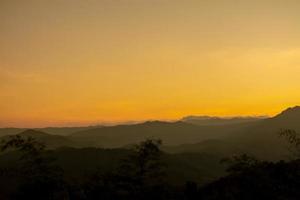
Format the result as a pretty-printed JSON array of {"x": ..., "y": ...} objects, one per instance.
[{"x": 81, "y": 62}]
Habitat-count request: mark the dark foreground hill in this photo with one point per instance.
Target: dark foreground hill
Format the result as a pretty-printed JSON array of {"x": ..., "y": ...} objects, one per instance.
[
  {"x": 79, "y": 164},
  {"x": 92, "y": 173}
]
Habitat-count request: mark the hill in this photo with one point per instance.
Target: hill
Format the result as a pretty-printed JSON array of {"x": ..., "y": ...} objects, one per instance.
[
  {"x": 227, "y": 136},
  {"x": 215, "y": 121},
  {"x": 64, "y": 131},
  {"x": 171, "y": 133},
  {"x": 51, "y": 141},
  {"x": 260, "y": 139},
  {"x": 11, "y": 131},
  {"x": 198, "y": 167}
]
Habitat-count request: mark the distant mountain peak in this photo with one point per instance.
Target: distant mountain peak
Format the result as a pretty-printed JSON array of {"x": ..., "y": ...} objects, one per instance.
[
  {"x": 208, "y": 121},
  {"x": 158, "y": 122},
  {"x": 292, "y": 112},
  {"x": 153, "y": 122},
  {"x": 201, "y": 117}
]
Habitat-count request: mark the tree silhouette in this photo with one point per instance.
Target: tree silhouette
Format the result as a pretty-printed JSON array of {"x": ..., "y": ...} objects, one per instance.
[
  {"x": 39, "y": 177},
  {"x": 139, "y": 176},
  {"x": 240, "y": 163},
  {"x": 293, "y": 138},
  {"x": 191, "y": 190}
]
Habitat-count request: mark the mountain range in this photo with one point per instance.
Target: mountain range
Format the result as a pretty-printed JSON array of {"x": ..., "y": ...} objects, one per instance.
[{"x": 222, "y": 136}]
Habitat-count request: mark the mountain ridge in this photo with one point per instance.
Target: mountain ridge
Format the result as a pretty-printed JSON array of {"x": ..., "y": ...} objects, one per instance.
[{"x": 255, "y": 136}]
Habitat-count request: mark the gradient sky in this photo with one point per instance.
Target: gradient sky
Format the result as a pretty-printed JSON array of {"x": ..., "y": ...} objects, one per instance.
[{"x": 77, "y": 62}]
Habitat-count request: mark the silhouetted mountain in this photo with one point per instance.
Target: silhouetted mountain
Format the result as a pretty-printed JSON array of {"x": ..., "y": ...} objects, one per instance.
[
  {"x": 289, "y": 118},
  {"x": 260, "y": 138},
  {"x": 224, "y": 137},
  {"x": 64, "y": 131},
  {"x": 51, "y": 141},
  {"x": 210, "y": 121},
  {"x": 11, "y": 131},
  {"x": 172, "y": 133},
  {"x": 194, "y": 154},
  {"x": 292, "y": 112}
]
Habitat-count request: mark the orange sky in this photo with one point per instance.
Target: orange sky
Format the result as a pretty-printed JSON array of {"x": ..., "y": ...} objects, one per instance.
[{"x": 78, "y": 62}]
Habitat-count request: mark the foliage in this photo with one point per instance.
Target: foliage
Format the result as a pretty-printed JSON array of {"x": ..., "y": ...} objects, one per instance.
[
  {"x": 141, "y": 175},
  {"x": 266, "y": 180},
  {"x": 240, "y": 163},
  {"x": 138, "y": 176},
  {"x": 293, "y": 138},
  {"x": 39, "y": 179}
]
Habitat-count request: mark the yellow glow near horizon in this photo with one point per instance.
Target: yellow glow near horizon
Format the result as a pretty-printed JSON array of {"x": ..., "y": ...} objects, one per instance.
[{"x": 82, "y": 62}]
